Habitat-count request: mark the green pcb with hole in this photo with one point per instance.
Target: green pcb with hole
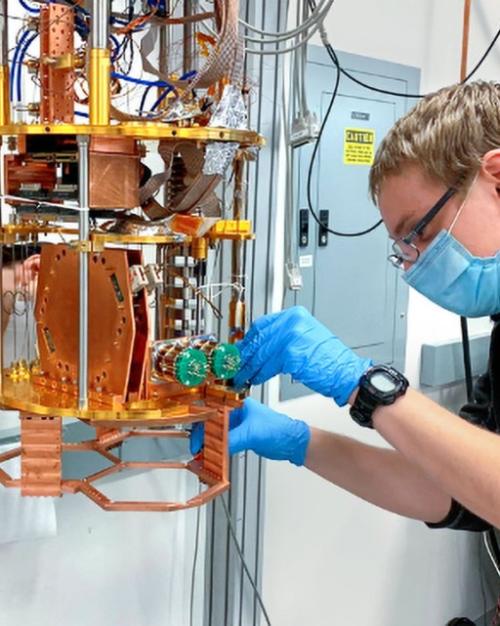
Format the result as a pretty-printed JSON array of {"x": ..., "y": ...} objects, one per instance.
[
  {"x": 191, "y": 367},
  {"x": 226, "y": 361}
]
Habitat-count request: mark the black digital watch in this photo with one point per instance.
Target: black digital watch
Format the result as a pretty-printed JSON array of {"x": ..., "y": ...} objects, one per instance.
[{"x": 381, "y": 385}]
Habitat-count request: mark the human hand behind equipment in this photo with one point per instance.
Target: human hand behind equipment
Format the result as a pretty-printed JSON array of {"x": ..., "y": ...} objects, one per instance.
[
  {"x": 294, "y": 342},
  {"x": 18, "y": 276},
  {"x": 256, "y": 427}
]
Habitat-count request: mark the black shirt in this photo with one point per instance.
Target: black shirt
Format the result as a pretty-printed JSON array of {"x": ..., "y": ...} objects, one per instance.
[{"x": 483, "y": 411}]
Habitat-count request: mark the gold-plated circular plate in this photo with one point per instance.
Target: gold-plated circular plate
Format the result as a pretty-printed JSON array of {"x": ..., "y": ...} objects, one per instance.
[{"x": 139, "y": 130}]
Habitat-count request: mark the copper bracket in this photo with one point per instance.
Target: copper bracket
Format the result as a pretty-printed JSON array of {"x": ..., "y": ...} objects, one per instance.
[{"x": 41, "y": 450}]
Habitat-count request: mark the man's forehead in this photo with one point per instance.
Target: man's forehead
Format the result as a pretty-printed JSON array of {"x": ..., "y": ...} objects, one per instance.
[
  {"x": 404, "y": 198},
  {"x": 400, "y": 212}
]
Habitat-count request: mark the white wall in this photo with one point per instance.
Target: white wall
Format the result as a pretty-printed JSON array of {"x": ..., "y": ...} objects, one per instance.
[
  {"x": 329, "y": 558},
  {"x": 68, "y": 562}
]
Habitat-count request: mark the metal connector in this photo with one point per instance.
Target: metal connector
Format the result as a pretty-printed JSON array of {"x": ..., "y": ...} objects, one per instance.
[
  {"x": 294, "y": 276},
  {"x": 305, "y": 129}
]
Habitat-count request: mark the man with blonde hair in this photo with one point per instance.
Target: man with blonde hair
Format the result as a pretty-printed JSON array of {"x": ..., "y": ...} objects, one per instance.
[{"x": 436, "y": 180}]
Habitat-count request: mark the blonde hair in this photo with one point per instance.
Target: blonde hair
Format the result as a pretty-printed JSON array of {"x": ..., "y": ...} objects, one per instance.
[{"x": 446, "y": 135}]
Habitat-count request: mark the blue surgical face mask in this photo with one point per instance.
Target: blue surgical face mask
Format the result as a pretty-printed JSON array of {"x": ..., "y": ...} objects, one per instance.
[
  {"x": 452, "y": 277},
  {"x": 449, "y": 275}
]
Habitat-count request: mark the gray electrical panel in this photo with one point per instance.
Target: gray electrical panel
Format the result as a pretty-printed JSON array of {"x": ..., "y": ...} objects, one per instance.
[{"x": 347, "y": 282}]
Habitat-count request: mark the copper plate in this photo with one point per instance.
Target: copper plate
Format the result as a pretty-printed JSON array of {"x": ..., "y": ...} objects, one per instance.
[
  {"x": 57, "y": 28},
  {"x": 111, "y": 332}
]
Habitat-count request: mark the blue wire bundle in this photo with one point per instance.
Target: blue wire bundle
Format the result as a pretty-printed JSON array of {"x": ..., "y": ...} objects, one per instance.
[
  {"x": 28, "y": 8},
  {"x": 23, "y": 44}
]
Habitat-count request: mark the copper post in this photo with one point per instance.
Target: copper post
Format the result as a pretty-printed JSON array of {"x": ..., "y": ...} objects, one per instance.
[
  {"x": 237, "y": 304},
  {"x": 57, "y": 30},
  {"x": 465, "y": 40}
]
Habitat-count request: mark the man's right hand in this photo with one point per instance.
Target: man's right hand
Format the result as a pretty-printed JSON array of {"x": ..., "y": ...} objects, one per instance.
[{"x": 294, "y": 342}]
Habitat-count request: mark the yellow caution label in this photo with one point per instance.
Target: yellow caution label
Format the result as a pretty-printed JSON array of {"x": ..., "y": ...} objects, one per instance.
[{"x": 359, "y": 146}]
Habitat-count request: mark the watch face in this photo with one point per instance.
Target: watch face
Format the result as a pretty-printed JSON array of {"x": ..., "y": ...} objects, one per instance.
[{"x": 382, "y": 382}]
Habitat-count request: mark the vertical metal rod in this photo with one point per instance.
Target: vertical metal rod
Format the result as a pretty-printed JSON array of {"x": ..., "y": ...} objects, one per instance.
[
  {"x": 171, "y": 292},
  {"x": 100, "y": 24},
  {"x": 465, "y": 40},
  {"x": 83, "y": 231},
  {"x": 187, "y": 52},
  {"x": 200, "y": 280},
  {"x": 237, "y": 304},
  {"x": 162, "y": 53},
  {"x": 161, "y": 254},
  {"x": 159, "y": 293},
  {"x": 4, "y": 44},
  {"x": 187, "y": 314}
]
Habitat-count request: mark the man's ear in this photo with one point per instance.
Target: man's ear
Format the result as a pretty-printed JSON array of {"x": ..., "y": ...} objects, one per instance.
[{"x": 490, "y": 167}]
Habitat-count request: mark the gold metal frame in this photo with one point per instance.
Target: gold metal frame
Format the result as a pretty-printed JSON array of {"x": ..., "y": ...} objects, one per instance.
[{"x": 139, "y": 130}]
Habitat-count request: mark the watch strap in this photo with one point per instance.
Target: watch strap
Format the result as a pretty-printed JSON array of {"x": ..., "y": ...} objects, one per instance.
[
  {"x": 363, "y": 407},
  {"x": 366, "y": 401}
]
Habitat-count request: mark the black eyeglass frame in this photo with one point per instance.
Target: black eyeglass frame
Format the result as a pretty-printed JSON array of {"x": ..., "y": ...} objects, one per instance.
[{"x": 398, "y": 257}]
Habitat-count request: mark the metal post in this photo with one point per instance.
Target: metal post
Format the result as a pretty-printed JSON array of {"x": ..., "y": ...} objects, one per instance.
[
  {"x": 187, "y": 33},
  {"x": 187, "y": 315},
  {"x": 162, "y": 53},
  {"x": 100, "y": 23},
  {"x": 83, "y": 231},
  {"x": 161, "y": 256},
  {"x": 237, "y": 304}
]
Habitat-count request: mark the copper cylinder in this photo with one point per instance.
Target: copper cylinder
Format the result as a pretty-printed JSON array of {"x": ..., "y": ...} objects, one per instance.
[
  {"x": 199, "y": 248},
  {"x": 100, "y": 76}
]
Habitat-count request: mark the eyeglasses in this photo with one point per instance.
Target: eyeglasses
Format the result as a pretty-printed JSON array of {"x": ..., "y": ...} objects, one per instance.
[{"x": 404, "y": 249}]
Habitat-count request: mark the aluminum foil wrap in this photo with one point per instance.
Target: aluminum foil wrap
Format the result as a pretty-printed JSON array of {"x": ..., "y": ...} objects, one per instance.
[
  {"x": 218, "y": 157},
  {"x": 231, "y": 111},
  {"x": 180, "y": 111}
]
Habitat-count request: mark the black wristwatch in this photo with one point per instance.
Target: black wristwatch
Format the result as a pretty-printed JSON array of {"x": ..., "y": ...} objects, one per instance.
[{"x": 380, "y": 385}]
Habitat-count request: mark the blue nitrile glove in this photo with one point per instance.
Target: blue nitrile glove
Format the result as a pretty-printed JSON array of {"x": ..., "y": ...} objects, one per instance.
[
  {"x": 267, "y": 433},
  {"x": 294, "y": 342}
]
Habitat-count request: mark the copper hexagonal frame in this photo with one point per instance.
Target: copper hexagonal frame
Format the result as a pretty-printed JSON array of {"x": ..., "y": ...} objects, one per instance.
[{"x": 41, "y": 450}]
